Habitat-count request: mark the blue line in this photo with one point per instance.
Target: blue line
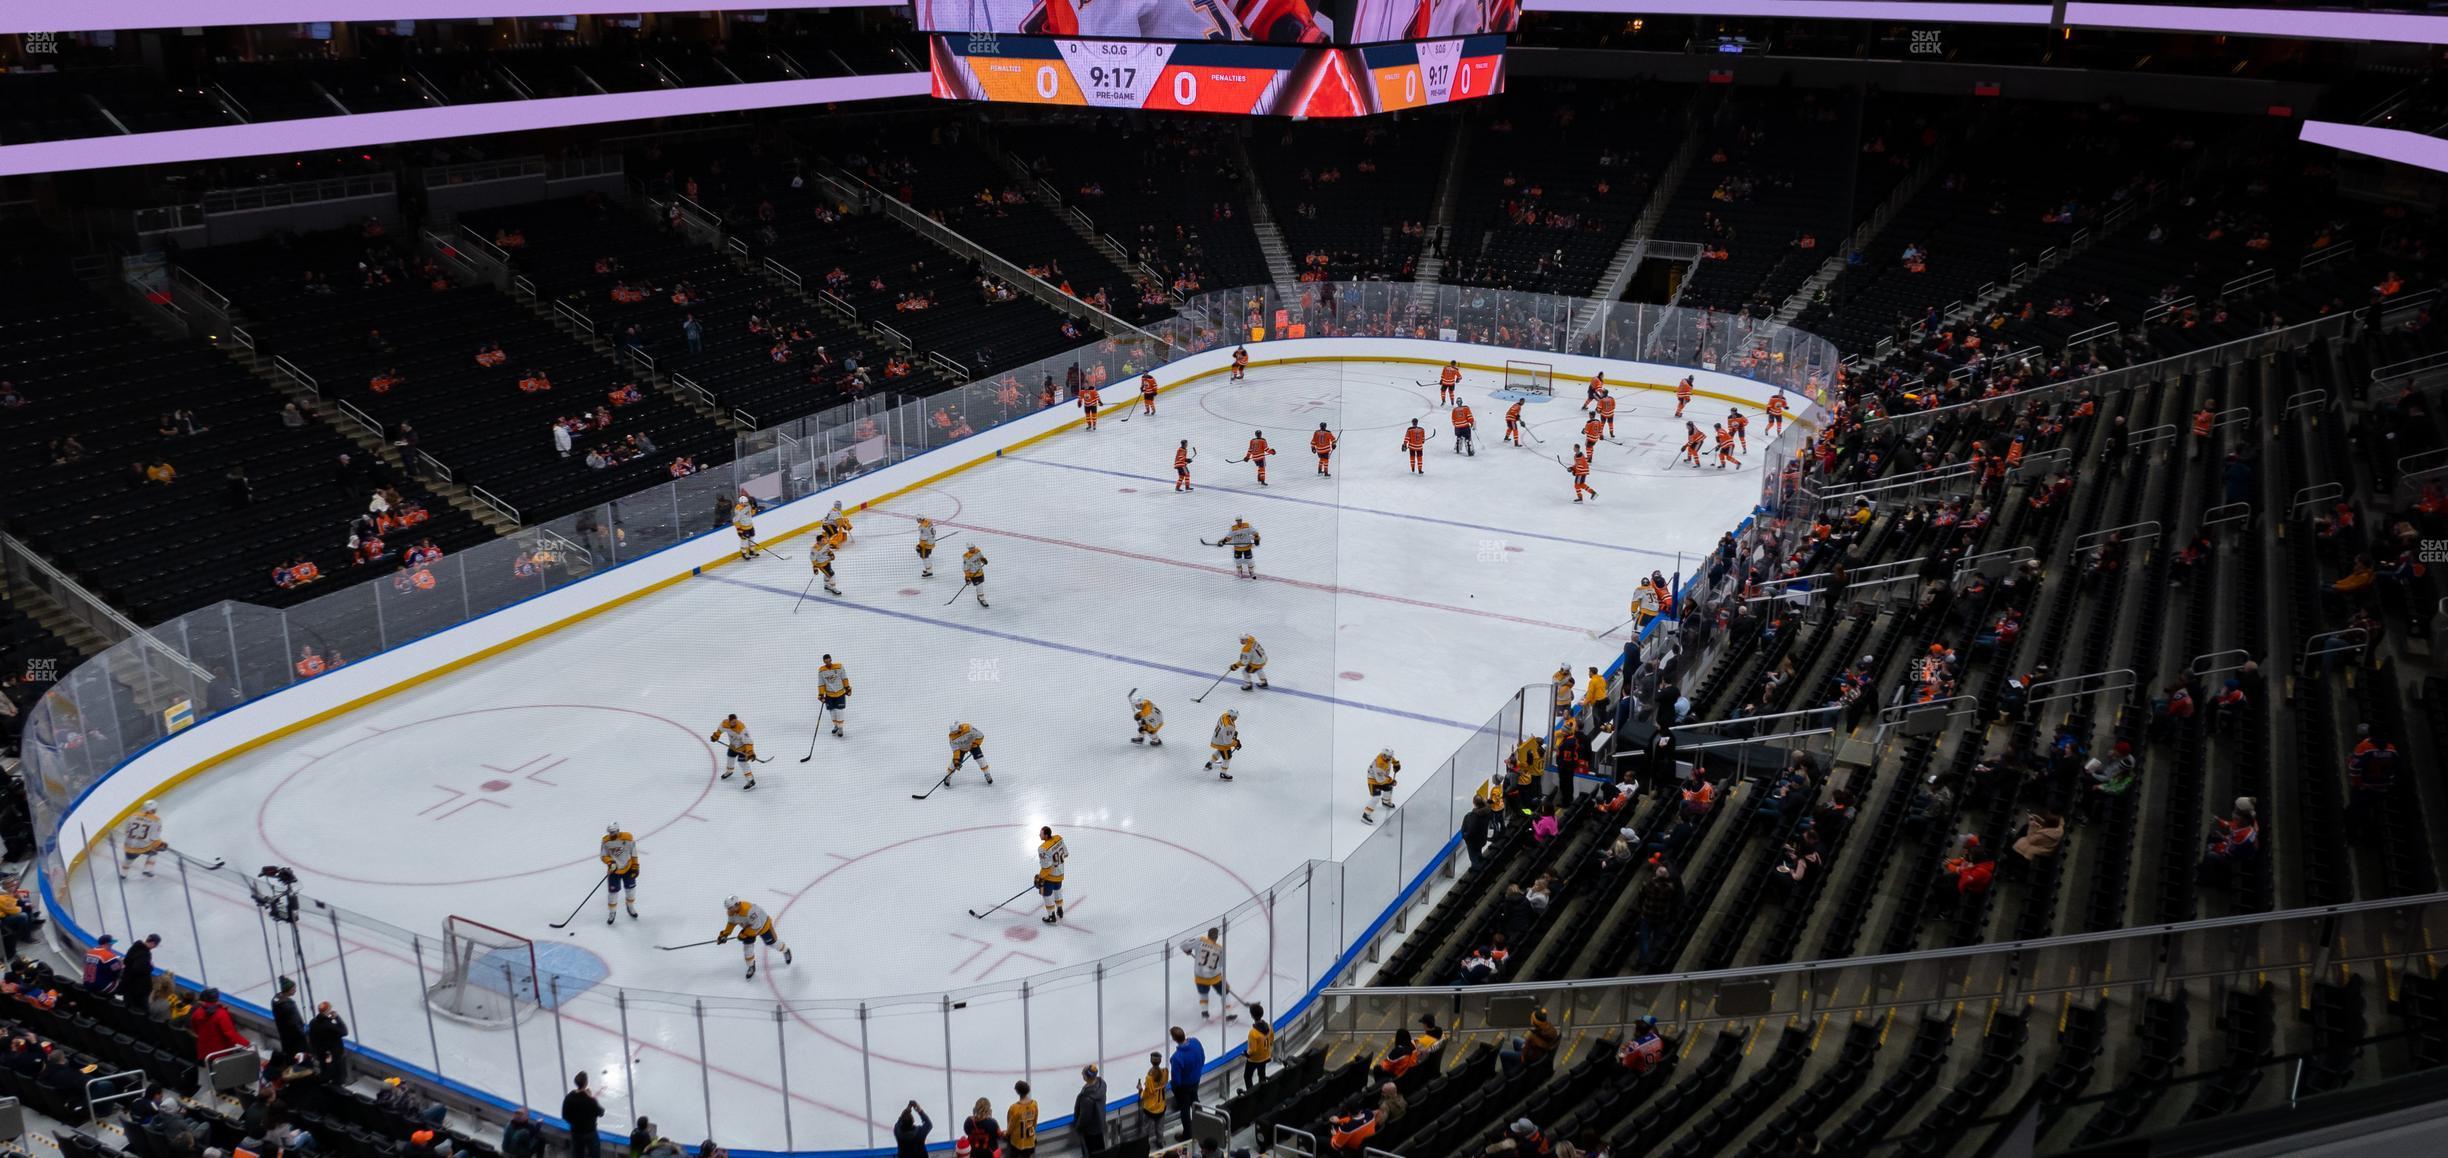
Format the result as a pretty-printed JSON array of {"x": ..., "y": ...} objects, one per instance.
[
  {"x": 1092, "y": 653},
  {"x": 1509, "y": 531}
]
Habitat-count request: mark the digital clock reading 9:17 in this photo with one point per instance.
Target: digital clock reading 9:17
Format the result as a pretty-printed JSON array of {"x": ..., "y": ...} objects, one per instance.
[{"x": 1118, "y": 76}]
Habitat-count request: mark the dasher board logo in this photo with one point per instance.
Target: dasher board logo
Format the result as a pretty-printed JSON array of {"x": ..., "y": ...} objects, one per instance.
[{"x": 39, "y": 44}]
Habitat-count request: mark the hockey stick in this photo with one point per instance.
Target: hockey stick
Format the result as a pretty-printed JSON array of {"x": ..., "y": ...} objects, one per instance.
[
  {"x": 1005, "y": 901},
  {"x": 563, "y": 923},
  {"x": 957, "y": 594},
  {"x": 198, "y": 861},
  {"x": 690, "y": 945},
  {"x": 947, "y": 779},
  {"x": 803, "y": 594},
  {"x": 812, "y": 737},
  {"x": 1614, "y": 629},
  {"x": 1202, "y": 696}
]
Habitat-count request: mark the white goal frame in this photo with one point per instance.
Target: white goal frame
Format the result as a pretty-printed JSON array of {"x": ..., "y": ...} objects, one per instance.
[
  {"x": 1530, "y": 377},
  {"x": 488, "y": 976}
]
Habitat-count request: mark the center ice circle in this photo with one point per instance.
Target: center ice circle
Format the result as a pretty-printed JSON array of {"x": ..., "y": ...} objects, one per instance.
[{"x": 512, "y": 789}]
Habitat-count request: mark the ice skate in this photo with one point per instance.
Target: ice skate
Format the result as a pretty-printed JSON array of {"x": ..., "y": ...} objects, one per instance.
[
  {"x": 752, "y": 971},
  {"x": 1223, "y": 774},
  {"x": 988, "y": 775},
  {"x": 633, "y": 912},
  {"x": 838, "y": 732},
  {"x": 1138, "y": 739},
  {"x": 610, "y": 917},
  {"x": 786, "y": 955},
  {"x": 751, "y": 784}
]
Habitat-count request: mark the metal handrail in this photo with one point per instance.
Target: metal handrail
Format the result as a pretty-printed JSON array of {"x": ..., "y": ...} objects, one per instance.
[
  {"x": 360, "y": 417},
  {"x": 301, "y": 377},
  {"x": 786, "y": 273},
  {"x": 14, "y": 547},
  {"x": 2111, "y": 680},
  {"x": 495, "y": 501},
  {"x": 575, "y": 318},
  {"x": 436, "y": 466}
]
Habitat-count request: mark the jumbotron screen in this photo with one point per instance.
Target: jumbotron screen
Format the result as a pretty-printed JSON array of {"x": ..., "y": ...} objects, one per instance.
[
  {"x": 1210, "y": 77},
  {"x": 1246, "y": 21}
]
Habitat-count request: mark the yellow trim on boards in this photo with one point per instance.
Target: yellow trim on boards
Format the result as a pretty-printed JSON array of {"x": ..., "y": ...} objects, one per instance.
[{"x": 329, "y": 714}]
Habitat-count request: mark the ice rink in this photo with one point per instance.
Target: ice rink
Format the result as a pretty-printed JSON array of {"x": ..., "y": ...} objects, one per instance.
[{"x": 1398, "y": 611}]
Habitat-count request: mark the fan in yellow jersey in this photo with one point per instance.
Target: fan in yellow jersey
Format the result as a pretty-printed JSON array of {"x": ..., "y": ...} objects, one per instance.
[
  {"x": 968, "y": 744},
  {"x": 1251, "y": 664},
  {"x": 1207, "y": 971},
  {"x": 1150, "y": 721},
  {"x": 732, "y": 734},
  {"x": 926, "y": 548},
  {"x": 1380, "y": 783},
  {"x": 833, "y": 689},
  {"x": 141, "y": 836},
  {"x": 1492, "y": 791},
  {"x": 753, "y": 925},
  {"x": 1051, "y": 853},
  {"x": 1243, "y": 539},
  {"x": 1560, "y": 690},
  {"x": 1226, "y": 741},
  {"x": 619, "y": 855},
  {"x": 820, "y": 561},
  {"x": 1261, "y": 1048},
  {"x": 1527, "y": 763},
  {"x": 973, "y": 572}
]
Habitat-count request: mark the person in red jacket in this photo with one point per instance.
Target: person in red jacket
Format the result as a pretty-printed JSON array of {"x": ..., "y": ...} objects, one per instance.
[{"x": 215, "y": 1030}]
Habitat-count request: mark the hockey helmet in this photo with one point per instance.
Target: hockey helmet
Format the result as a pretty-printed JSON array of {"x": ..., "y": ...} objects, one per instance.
[
  {"x": 152, "y": 805},
  {"x": 730, "y": 903},
  {"x": 612, "y": 829},
  {"x": 1232, "y": 714}
]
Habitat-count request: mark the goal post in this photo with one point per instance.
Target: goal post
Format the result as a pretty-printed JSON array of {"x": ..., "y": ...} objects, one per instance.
[
  {"x": 1530, "y": 377},
  {"x": 488, "y": 976}
]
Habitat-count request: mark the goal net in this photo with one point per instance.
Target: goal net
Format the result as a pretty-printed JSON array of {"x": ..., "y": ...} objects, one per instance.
[
  {"x": 1530, "y": 377},
  {"x": 488, "y": 975}
]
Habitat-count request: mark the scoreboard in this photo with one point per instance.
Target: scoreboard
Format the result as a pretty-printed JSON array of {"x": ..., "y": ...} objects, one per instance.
[{"x": 1241, "y": 78}]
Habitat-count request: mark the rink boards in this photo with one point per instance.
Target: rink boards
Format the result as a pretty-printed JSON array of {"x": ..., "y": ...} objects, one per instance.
[{"x": 1298, "y": 933}]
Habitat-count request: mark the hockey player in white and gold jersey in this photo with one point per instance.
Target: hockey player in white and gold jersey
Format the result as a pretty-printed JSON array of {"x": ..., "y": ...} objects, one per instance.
[
  {"x": 1225, "y": 742},
  {"x": 833, "y": 688},
  {"x": 1052, "y": 854},
  {"x": 1380, "y": 783},
  {"x": 619, "y": 853},
  {"x": 753, "y": 925},
  {"x": 741, "y": 755},
  {"x": 968, "y": 744},
  {"x": 1251, "y": 664},
  {"x": 1207, "y": 972},
  {"x": 1149, "y": 720}
]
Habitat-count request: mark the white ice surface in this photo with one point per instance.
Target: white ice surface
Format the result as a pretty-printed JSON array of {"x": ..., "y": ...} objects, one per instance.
[{"x": 1399, "y": 611}]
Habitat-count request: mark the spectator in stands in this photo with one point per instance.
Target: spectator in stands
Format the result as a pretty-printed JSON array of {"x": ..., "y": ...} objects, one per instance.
[
  {"x": 693, "y": 332},
  {"x": 2107, "y": 782},
  {"x": 66, "y": 449},
  {"x": 1152, "y": 1087},
  {"x": 1660, "y": 908},
  {"x": 910, "y": 1131},
  {"x": 561, "y": 439},
  {"x": 2371, "y": 776},
  {"x": 237, "y": 490},
  {"x": 1971, "y": 873},
  {"x": 1544, "y": 829},
  {"x": 2234, "y": 840},
  {"x": 1644, "y": 1048},
  {"x": 2043, "y": 835},
  {"x": 135, "y": 988},
  {"x": 1188, "y": 1062},
  {"x": 1523, "y": 1137},
  {"x": 327, "y": 1039},
  {"x": 534, "y": 382},
  {"x": 1087, "y": 1112},
  {"x": 16, "y": 924},
  {"x": 215, "y": 1030},
  {"x": 490, "y": 355},
  {"x": 159, "y": 472},
  {"x": 1797, "y": 861},
  {"x": 521, "y": 1137},
  {"x": 1477, "y": 826},
  {"x": 1933, "y": 802},
  {"x": 580, "y": 1109},
  {"x": 10, "y": 399}
]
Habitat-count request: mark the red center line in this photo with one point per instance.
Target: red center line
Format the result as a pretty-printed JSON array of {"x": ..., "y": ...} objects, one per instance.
[{"x": 1303, "y": 584}]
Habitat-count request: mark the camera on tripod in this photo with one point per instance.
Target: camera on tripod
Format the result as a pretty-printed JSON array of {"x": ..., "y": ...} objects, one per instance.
[{"x": 276, "y": 892}]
